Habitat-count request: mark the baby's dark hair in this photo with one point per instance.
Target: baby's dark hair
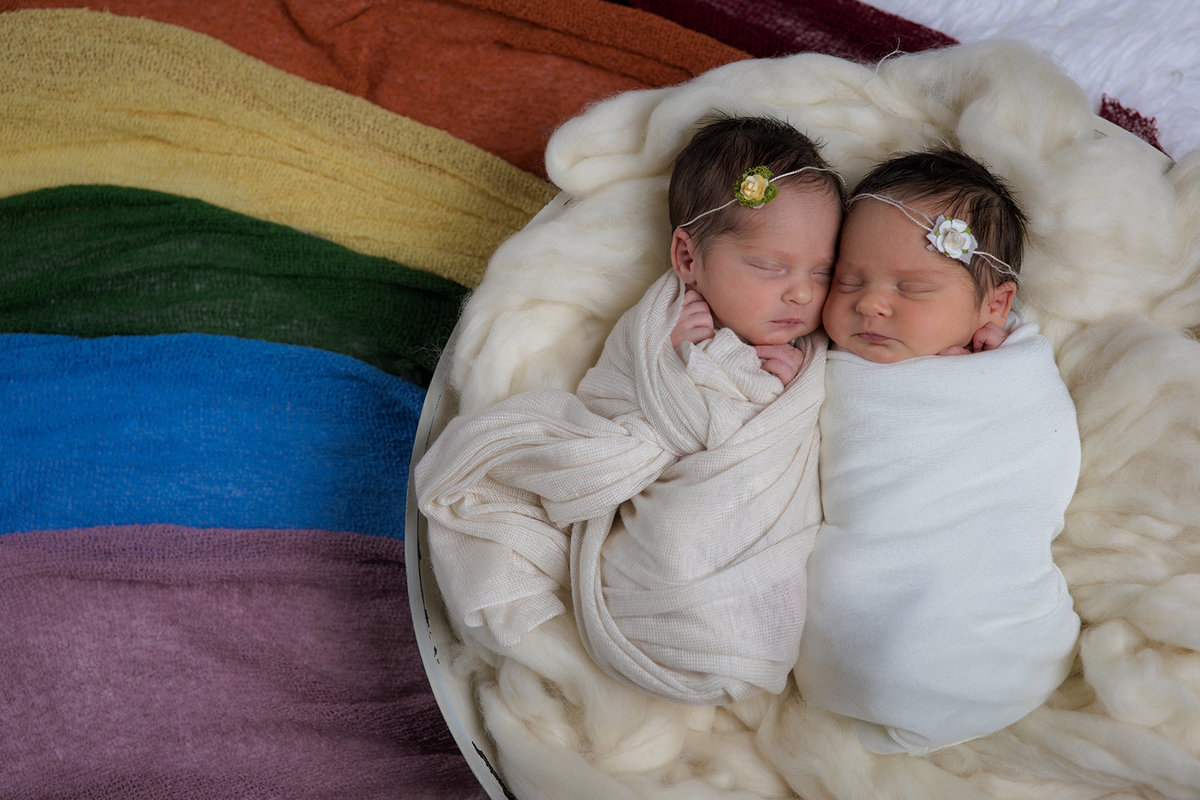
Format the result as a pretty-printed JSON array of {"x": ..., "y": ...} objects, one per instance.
[
  {"x": 963, "y": 188},
  {"x": 708, "y": 169}
]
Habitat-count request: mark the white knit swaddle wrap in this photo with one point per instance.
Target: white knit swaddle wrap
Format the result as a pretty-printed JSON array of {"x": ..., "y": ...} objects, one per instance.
[{"x": 936, "y": 611}]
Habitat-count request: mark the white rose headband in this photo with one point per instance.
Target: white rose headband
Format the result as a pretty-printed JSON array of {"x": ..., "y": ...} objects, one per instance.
[
  {"x": 757, "y": 187},
  {"x": 949, "y": 236}
]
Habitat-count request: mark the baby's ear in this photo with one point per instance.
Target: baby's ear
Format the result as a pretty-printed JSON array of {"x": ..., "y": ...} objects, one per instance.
[
  {"x": 998, "y": 302},
  {"x": 683, "y": 256}
]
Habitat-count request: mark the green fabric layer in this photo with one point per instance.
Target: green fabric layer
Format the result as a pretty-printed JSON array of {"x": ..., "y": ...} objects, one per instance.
[{"x": 106, "y": 260}]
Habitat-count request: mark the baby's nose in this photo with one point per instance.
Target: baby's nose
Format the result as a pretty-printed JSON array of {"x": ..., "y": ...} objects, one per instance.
[
  {"x": 872, "y": 304},
  {"x": 799, "y": 291}
]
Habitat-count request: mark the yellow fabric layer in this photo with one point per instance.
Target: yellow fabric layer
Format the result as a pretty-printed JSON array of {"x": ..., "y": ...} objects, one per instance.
[{"x": 90, "y": 97}]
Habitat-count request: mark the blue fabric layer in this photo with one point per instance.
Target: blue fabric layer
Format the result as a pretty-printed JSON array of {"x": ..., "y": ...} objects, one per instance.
[{"x": 200, "y": 430}]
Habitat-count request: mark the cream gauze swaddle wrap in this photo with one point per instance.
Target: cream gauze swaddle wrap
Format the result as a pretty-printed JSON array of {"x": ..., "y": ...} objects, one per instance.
[
  {"x": 936, "y": 611},
  {"x": 682, "y": 491}
]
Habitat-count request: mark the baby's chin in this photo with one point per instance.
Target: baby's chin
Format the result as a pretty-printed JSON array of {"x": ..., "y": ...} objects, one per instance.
[
  {"x": 888, "y": 353},
  {"x": 776, "y": 337}
]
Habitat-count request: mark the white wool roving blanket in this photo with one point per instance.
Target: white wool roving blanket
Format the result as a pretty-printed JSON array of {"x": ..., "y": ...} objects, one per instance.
[
  {"x": 688, "y": 599},
  {"x": 1111, "y": 277},
  {"x": 936, "y": 613}
]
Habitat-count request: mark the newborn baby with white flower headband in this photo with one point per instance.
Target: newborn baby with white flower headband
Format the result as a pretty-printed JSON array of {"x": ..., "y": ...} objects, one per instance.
[
  {"x": 936, "y": 614},
  {"x": 897, "y": 295}
]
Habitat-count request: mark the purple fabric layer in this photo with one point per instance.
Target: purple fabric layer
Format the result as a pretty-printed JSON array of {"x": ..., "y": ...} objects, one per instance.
[{"x": 168, "y": 662}]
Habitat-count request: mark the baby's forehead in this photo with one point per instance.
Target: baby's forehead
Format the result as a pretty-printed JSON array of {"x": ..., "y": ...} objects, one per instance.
[{"x": 877, "y": 237}]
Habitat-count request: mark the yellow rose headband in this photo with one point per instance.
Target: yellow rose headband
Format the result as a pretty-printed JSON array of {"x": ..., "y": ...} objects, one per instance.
[
  {"x": 756, "y": 188},
  {"x": 949, "y": 236}
]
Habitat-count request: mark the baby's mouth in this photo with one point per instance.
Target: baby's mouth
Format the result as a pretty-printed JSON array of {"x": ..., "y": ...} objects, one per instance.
[{"x": 871, "y": 338}]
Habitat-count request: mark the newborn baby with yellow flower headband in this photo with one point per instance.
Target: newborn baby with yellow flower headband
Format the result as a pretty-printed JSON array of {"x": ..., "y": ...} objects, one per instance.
[
  {"x": 761, "y": 276},
  {"x": 708, "y": 388}
]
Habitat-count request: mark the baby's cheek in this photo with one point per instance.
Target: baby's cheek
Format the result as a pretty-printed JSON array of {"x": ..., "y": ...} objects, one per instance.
[{"x": 821, "y": 295}]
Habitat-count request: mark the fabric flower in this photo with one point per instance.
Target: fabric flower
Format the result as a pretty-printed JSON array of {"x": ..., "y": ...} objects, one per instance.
[
  {"x": 953, "y": 237},
  {"x": 754, "y": 188}
]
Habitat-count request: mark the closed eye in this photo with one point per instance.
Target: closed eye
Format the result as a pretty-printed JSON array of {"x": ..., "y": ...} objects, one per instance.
[{"x": 765, "y": 267}]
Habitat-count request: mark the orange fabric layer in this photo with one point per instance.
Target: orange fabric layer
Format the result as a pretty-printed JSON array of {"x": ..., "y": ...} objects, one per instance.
[{"x": 500, "y": 74}]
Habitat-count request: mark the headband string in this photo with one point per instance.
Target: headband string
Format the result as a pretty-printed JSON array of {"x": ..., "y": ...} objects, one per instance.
[{"x": 770, "y": 182}]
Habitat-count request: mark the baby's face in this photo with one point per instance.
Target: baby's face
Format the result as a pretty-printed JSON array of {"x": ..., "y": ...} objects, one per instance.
[
  {"x": 768, "y": 279},
  {"x": 892, "y": 298}
]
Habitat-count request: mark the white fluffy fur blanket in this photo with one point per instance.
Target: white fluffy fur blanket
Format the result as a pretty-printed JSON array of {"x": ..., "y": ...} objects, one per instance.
[
  {"x": 691, "y": 588},
  {"x": 936, "y": 613},
  {"x": 1112, "y": 277}
]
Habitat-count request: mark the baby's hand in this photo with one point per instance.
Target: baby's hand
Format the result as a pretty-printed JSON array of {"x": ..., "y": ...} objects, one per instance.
[
  {"x": 989, "y": 337},
  {"x": 781, "y": 360},
  {"x": 695, "y": 320}
]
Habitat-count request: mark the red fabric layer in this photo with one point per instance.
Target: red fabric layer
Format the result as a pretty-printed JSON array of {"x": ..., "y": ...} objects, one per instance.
[
  {"x": 769, "y": 28},
  {"x": 501, "y": 74},
  {"x": 1130, "y": 120},
  {"x": 167, "y": 662}
]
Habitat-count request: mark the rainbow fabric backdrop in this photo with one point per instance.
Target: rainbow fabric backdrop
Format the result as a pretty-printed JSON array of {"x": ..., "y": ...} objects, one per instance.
[{"x": 234, "y": 239}]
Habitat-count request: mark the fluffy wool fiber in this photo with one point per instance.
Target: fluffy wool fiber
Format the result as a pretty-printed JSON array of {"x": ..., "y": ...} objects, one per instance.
[{"x": 1110, "y": 276}]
